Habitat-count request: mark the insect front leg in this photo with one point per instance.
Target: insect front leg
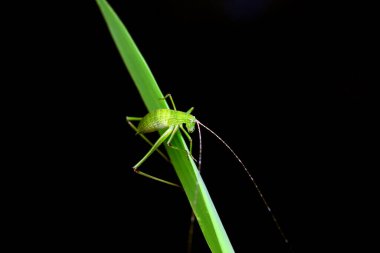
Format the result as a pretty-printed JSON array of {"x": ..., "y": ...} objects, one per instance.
[
  {"x": 189, "y": 138},
  {"x": 170, "y": 145}
]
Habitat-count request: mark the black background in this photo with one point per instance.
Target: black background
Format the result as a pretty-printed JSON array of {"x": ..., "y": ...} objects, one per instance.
[{"x": 286, "y": 84}]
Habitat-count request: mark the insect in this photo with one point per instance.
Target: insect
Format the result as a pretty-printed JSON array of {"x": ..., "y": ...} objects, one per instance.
[
  {"x": 168, "y": 119},
  {"x": 171, "y": 121}
]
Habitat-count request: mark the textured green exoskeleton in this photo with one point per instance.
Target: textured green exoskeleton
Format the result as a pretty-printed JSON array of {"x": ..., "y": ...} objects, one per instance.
[
  {"x": 164, "y": 118},
  {"x": 161, "y": 119}
]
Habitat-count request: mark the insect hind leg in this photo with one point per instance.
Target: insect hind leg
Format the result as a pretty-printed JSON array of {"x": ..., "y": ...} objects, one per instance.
[
  {"x": 129, "y": 120},
  {"x": 155, "y": 146}
]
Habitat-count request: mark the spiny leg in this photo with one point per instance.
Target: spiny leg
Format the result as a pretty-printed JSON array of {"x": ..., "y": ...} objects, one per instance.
[
  {"x": 188, "y": 137},
  {"x": 129, "y": 120},
  {"x": 162, "y": 138},
  {"x": 170, "y": 145}
]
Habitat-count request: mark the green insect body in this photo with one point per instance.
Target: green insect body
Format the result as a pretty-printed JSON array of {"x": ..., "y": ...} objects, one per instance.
[
  {"x": 170, "y": 121},
  {"x": 164, "y": 118}
]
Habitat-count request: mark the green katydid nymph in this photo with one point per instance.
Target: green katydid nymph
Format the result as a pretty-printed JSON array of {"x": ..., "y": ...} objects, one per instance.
[{"x": 171, "y": 121}]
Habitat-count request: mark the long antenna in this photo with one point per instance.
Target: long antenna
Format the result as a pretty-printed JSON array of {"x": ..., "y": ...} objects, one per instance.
[
  {"x": 200, "y": 147},
  {"x": 253, "y": 181}
]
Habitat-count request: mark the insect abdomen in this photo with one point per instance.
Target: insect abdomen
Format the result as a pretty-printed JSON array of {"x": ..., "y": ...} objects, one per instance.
[{"x": 161, "y": 119}]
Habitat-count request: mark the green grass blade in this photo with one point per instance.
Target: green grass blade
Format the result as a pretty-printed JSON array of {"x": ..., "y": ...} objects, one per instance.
[{"x": 185, "y": 168}]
